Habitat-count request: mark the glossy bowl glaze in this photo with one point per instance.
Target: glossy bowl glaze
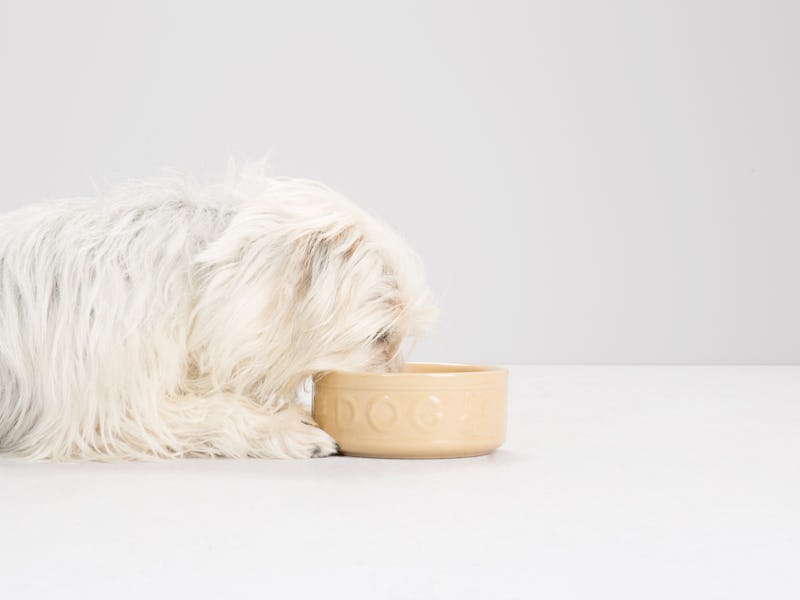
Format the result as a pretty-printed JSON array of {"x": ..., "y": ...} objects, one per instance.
[{"x": 428, "y": 410}]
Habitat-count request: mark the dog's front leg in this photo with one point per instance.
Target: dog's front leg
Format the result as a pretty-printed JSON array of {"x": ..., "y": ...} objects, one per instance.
[{"x": 234, "y": 426}]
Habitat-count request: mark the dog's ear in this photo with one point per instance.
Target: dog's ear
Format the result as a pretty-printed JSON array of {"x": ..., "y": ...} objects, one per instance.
[{"x": 322, "y": 254}]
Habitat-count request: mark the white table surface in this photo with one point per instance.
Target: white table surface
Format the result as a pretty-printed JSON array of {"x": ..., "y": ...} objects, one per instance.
[{"x": 615, "y": 482}]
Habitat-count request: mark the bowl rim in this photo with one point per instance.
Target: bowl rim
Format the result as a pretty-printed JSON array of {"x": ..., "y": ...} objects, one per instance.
[{"x": 471, "y": 370}]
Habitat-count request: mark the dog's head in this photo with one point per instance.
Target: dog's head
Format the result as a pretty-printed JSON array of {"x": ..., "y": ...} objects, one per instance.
[
  {"x": 302, "y": 281},
  {"x": 361, "y": 291}
]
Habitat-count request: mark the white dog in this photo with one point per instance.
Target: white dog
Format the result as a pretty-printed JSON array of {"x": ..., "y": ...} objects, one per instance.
[{"x": 171, "y": 320}]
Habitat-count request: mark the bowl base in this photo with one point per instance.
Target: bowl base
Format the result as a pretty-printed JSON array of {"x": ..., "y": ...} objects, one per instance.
[{"x": 421, "y": 456}]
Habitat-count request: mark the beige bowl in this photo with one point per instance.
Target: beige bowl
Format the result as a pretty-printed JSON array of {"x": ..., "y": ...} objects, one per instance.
[{"x": 425, "y": 411}]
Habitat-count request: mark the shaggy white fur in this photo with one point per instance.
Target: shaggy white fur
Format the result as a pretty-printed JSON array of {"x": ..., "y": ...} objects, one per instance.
[{"x": 171, "y": 320}]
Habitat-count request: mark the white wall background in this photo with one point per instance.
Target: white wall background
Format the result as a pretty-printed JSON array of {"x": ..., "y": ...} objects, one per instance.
[{"x": 588, "y": 182}]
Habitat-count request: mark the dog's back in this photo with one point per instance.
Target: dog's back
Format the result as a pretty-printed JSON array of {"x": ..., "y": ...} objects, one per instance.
[{"x": 93, "y": 294}]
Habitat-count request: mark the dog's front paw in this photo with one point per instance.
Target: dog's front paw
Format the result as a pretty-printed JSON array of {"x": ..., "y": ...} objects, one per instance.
[
  {"x": 299, "y": 436},
  {"x": 308, "y": 441}
]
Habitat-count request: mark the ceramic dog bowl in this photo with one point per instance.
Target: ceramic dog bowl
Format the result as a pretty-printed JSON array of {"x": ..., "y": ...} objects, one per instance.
[{"x": 427, "y": 410}]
